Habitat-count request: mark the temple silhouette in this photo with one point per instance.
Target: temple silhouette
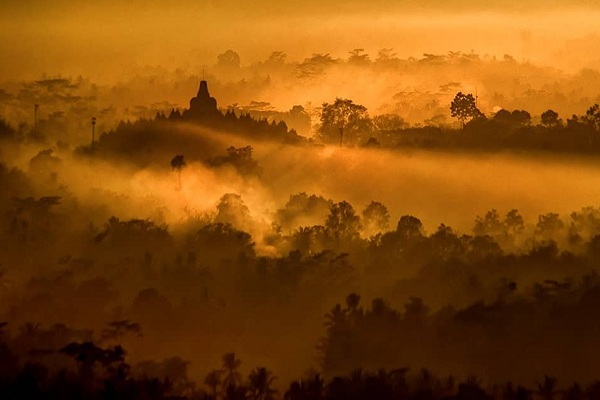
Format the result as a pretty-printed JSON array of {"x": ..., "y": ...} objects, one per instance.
[
  {"x": 203, "y": 106},
  {"x": 204, "y": 111},
  {"x": 143, "y": 135}
]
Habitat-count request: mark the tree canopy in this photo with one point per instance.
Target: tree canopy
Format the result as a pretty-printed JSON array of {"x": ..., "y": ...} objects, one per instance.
[
  {"x": 343, "y": 121},
  {"x": 464, "y": 107}
]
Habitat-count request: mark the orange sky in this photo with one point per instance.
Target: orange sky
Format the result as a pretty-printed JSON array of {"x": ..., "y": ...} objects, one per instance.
[{"x": 101, "y": 39}]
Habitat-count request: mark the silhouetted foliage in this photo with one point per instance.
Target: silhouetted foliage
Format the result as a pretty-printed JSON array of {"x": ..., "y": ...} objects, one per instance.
[
  {"x": 344, "y": 122},
  {"x": 550, "y": 119},
  {"x": 464, "y": 108}
]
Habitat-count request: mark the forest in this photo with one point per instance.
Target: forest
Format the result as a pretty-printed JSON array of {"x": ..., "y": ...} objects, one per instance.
[{"x": 316, "y": 227}]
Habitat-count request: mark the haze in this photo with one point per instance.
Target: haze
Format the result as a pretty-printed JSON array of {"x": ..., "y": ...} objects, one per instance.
[
  {"x": 300, "y": 200},
  {"x": 100, "y": 39}
]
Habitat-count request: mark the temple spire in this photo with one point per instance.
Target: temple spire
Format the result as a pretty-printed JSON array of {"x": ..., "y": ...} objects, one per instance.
[
  {"x": 203, "y": 90},
  {"x": 202, "y": 106}
]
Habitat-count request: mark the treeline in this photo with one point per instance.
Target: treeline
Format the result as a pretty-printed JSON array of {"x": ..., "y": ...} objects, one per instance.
[
  {"x": 84, "y": 370},
  {"x": 552, "y": 324},
  {"x": 149, "y": 132},
  {"x": 472, "y": 300},
  {"x": 508, "y": 130},
  {"x": 344, "y": 122}
]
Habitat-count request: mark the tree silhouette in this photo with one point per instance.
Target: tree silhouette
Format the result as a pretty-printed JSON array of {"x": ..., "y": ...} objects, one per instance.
[
  {"x": 548, "y": 225},
  {"x": 490, "y": 224},
  {"x": 178, "y": 163},
  {"x": 464, "y": 107},
  {"x": 213, "y": 381},
  {"x": 376, "y": 218},
  {"x": 93, "y": 130},
  {"x": 344, "y": 119},
  {"x": 229, "y": 59},
  {"x": 260, "y": 380},
  {"x": 357, "y": 57},
  {"x": 342, "y": 224},
  {"x": 389, "y": 123},
  {"x": 352, "y": 302},
  {"x": 409, "y": 227},
  {"x": 550, "y": 119},
  {"x": 276, "y": 58},
  {"x": 117, "y": 329},
  {"x": 231, "y": 209},
  {"x": 592, "y": 116},
  {"x": 230, "y": 367}
]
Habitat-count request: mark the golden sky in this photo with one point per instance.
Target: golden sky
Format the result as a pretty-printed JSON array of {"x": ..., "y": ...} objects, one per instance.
[{"x": 101, "y": 38}]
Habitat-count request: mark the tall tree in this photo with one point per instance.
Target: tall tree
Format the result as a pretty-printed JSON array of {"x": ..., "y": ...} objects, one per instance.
[
  {"x": 592, "y": 116},
  {"x": 342, "y": 224},
  {"x": 178, "y": 164},
  {"x": 261, "y": 380},
  {"x": 213, "y": 381},
  {"x": 550, "y": 119},
  {"x": 229, "y": 59},
  {"x": 230, "y": 366},
  {"x": 464, "y": 107},
  {"x": 376, "y": 218},
  {"x": 344, "y": 122}
]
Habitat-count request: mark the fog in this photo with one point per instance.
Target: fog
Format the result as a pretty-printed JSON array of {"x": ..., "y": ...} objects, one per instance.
[
  {"x": 363, "y": 200},
  {"x": 101, "y": 38},
  {"x": 448, "y": 187}
]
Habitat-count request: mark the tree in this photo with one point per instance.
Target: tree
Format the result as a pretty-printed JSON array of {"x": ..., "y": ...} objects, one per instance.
[
  {"x": 218, "y": 241},
  {"x": 520, "y": 118},
  {"x": 277, "y": 58},
  {"x": 230, "y": 366},
  {"x": 464, "y": 107},
  {"x": 514, "y": 222},
  {"x": 385, "y": 55},
  {"x": 592, "y": 116},
  {"x": 342, "y": 119},
  {"x": 302, "y": 210},
  {"x": 261, "y": 380},
  {"x": 409, "y": 227},
  {"x": 550, "y": 119},
  {"x": 352, "y": 302},
  {"x": 342, "y": 223},
  {"x": 231, "y": 209},
  {"x": 229, "y": 59},
  {"x": 357, "y": 57},
  {"x": 376, "y": 217},
  {"x": 549, "y": 225},
  {"x": 213, "y": 381},
  {"x": 490, "y": 225},
  {"x": 315, "y": 65},
  {"x": 389, "y": 122},
  {"x": 117, "y": 329},
  {"x": 178, "y": 163},
  {"x": 310, "y": 239}
]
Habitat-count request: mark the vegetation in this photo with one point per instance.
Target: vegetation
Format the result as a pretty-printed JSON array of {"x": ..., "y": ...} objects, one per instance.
[{"x": 129, "y": 289}]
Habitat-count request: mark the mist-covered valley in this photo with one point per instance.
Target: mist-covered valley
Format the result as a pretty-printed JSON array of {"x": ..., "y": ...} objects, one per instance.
[{"x": 356, "y": 224}]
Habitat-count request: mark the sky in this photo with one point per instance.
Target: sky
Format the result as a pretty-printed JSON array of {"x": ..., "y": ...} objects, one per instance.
[{"x": 101, "y": 39}]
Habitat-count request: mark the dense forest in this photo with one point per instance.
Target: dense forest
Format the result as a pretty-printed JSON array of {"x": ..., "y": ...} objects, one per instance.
[{"x": 437, "y": 248}]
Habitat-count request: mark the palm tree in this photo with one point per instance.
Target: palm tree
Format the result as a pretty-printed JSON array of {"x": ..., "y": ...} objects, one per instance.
[
  {"x": 261, "y": 380},
  {"x": 230, "y": 366},
  {"x": 213, "y": 381},
  {"x": 178, "y": 163}
]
